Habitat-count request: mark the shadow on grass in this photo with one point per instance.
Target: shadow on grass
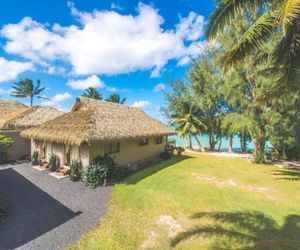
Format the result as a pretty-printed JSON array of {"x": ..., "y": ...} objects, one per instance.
[
  {"x": 153, "y": 169},
  {"x": 292, "y": 174},
  {"x": 248, "y": 230}
]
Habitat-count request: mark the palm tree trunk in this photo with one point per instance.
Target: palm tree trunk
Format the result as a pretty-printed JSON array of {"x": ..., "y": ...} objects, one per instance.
[
  {"x": 220, "y": 144},
  {"x": 230, "y": 143},
  {"x": 31, "y": 101},
  {"x": 190, "y": 142},
  {"x": 200, "y": 145},
  {"x": 284, "y": 151}
]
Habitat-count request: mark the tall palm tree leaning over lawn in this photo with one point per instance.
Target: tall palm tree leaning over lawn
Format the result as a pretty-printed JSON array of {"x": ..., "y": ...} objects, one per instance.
[
  {"x": 116, "y": 99},
  {"x": 26, "y": 88},
  {"x": 275, "y": 16},
  {"x": 92, "y": 93}
]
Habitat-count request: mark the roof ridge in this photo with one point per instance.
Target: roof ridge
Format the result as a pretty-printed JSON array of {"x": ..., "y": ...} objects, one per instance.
[{"x": 108, "y": 102}]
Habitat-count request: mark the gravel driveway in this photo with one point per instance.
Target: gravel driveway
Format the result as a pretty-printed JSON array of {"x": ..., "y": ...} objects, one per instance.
[{"x": 46, "y": 213}]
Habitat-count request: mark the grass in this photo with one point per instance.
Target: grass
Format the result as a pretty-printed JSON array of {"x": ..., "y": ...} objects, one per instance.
[{"x": 202, "y": 202}]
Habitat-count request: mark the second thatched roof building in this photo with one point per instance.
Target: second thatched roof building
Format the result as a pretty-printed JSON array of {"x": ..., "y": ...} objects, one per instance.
[
  {"x": 15, "y": 117},
  {"x": 95, "y": 128}
]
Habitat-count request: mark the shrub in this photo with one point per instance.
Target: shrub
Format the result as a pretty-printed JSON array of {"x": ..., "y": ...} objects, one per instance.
[
  {"x": 120, "y": 173},
  {"x": 35, "y": 158},
  {"x": 5, "y": 144},
  {"x": 53, "y": 162},
  {"x": 75, "y": 170},
  {"x": 99, "y": 171},
  {"x": 259, "y": 158},
  {"x": 165, "y": 155}
]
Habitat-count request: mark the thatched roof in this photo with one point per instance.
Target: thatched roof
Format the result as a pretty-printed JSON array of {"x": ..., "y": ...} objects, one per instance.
[
  {"x": 28, "y": 117},
  {"x": 7, "y": 106},
  {"x": 96, "y": 121}
]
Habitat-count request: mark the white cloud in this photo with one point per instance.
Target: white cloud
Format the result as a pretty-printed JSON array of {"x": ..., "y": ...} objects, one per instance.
[
  {"x": 61, "y": 97},
  {"x": 9, "y": 70},
  {"x": 56, "y": 100},
  {"x": 191, "y": 27},
  {"x": 159, "y": 87},
  {"x": 141, "y": 104},
  {"x": 106, "y": 42},
  {"x": 115, "y": 6},
  {"x": 112, "y": 89},
  {"x": 92, "y": 81}
]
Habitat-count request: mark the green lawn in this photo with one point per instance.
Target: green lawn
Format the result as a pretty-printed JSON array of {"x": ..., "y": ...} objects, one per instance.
[{"x": 202, "y": 202}]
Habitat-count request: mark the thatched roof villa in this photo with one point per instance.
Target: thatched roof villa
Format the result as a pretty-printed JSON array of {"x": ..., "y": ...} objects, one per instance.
[
  {"x": 17, "y": 117},
  {"x": 95, "y": 128},
  {"x": 7, "y": 107}
]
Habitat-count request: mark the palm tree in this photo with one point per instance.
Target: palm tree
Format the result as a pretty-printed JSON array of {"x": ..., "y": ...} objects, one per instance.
[
  {"x": 92, "y": 93},
  {"x": 116, "y": 98},
  {"x": 277, "y": 16},
  {"x": 26, "y": 88},
  {"x": 187, "y": 124}
]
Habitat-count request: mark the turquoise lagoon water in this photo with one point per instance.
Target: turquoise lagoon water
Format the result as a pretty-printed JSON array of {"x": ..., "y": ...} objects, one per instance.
[{"x": 204, "y": 139}]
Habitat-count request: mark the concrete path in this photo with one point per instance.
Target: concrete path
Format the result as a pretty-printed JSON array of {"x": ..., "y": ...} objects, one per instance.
[{"x": 46, "y": 213}]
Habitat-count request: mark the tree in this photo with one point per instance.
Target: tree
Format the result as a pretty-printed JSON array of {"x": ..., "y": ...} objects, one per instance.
[
  {"x": 183, "y": 112},
  {"x": 273, "y": 17},
  {"x": 92, "y": 93},
  {"x": 188, "y": 124},
  {"x": 206, "y": 82},
  {"x": 236, "y": 124},
  {"x": 116, "y": 99},
  {"x": 25, "y": 88},
  {"x": 284, "y": 131}
]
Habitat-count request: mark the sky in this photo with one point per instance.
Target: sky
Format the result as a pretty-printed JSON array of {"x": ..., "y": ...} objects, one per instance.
[{"x": 132, "y": 48}]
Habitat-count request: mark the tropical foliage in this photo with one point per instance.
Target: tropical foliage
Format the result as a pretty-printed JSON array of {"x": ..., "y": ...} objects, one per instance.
[
  {"x": 26, "y": 88},
  {"x": 116, "y": 99},
  {"x": 92, "y": 93},
  {"x": 272, "y": 17},
  {"x": 248, "y": 101},
  {"x": 5, "y": 144}
]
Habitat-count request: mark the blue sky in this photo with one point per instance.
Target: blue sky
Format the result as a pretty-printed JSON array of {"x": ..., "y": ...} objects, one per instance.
[{"x": 132, "y": 48}]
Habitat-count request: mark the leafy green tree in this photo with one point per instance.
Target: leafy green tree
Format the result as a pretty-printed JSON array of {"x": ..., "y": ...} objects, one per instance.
[
  {"x": 116, "y": 99},
  {"x": 236, "y": 124},
  {"x": 284, "y": 131},
  {"x": 92, "y": 93},
  {"x": 206, "y": 82},
  {"x": 183, "y": 112},
  {"x": 252, "y": 88},
  {"x": 273, "y": 17},
  {"x": 26, "y": 88}
]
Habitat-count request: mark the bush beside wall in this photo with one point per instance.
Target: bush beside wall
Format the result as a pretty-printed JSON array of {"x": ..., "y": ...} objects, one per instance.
[{"x": 5, "y": 144}]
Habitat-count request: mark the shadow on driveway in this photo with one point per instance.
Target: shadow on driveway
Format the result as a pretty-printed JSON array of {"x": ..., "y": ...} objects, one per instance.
[{"x": 30, "y": 212}]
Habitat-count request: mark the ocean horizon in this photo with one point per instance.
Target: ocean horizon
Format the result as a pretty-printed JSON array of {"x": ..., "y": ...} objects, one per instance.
[{"x": 204, "y": 139}]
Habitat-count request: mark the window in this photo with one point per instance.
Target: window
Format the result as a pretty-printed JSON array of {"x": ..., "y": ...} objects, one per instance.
[
  {"x": 112, "y": 148},
  {"x": 159, "y": 140},
  {"x": 144, "y": 141}
]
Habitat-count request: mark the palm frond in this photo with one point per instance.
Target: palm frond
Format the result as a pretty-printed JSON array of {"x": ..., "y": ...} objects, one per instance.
[
  {"x": 255, "y": 37},
  {"x": 226, "y": 12},
  {"x": 287, "y": 54},
  {"x": 289, "y": 13}
]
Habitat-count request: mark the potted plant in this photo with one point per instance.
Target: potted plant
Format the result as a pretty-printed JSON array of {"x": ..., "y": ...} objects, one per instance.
[
  {"x": 53, "y": 163},
  {"x": 75, "y": 170},
  {"x": 35, "y": 158}
]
